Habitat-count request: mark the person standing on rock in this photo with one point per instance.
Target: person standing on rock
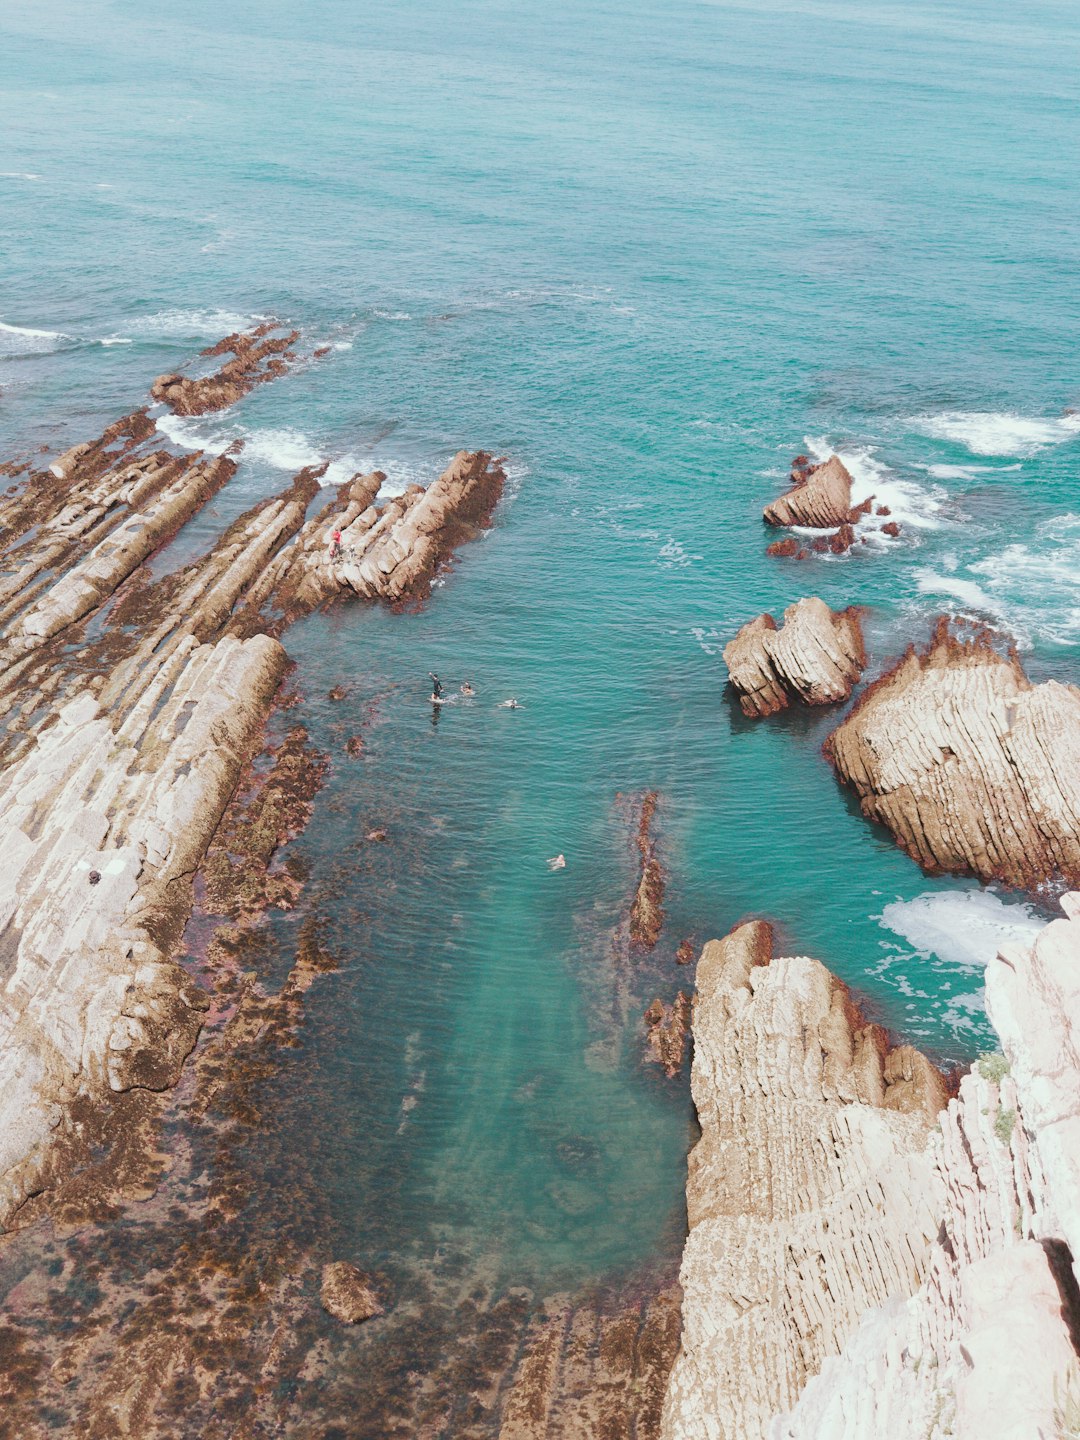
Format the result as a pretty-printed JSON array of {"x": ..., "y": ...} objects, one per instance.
[
  {"x": 436, "y": 687},
  {"x": 335, "y": 545}
]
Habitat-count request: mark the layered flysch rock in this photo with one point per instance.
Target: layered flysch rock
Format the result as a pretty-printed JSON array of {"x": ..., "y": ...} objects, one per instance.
[
  {"x": 816, "y": 656},
  {"x": 985, "y": 1349},
  {"x": 810, "y": 1196},
  {"x": 388, "y": 552},
  {"x": 128, "y": 712},
  {"x": 971, "y": 766},
  {"x": 819, "y": 498}
]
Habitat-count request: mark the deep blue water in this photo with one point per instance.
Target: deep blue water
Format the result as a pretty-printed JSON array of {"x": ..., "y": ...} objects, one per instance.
[{"x": 648, "y": 253}]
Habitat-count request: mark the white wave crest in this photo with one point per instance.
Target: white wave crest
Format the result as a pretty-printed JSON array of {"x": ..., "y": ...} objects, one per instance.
[
  {"x": 910, "y": 504},
  {"x": 965, "y": 928},
  {"x": 993, "y": 432},
  {"x": 22, "y": 340}
]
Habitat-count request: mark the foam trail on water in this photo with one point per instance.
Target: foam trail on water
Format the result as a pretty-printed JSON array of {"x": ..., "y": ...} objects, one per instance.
[
  {"x": 994, "y": 432},
  {"x": 965, "y": 928}
]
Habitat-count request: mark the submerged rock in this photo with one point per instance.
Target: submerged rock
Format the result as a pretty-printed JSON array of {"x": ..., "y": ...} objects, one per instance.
[
  {"x": 348, "y": 1294},
  {"x": 816, "y": 657},
  {"x": 646, "y": 910},
  {"x": 972, "y": 767},
  {"x": 811, "y": 1197},
  {"x": 667, "y": 1031}
]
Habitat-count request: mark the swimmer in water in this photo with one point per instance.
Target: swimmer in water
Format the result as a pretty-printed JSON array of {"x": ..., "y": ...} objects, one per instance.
[
  {"x": 436, "y": 688},
  {"x": 510, "y": 704},
  {"x": 557, "y": 862},
  {"x": 466, "y": 689}
]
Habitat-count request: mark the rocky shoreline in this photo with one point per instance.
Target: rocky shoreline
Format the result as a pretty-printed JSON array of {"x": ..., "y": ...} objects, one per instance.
[{"x": 130, "y": 709}]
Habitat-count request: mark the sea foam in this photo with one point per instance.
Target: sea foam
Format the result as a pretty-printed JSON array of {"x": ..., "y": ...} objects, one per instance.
[
  {"x": 992, "y": 432},
  {"x": 965, "y": 927},
  {"x": 1031, "y": 589}
]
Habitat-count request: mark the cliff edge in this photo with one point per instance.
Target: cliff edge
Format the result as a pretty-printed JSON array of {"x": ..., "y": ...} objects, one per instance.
[{"x": 805, "y": 1202}]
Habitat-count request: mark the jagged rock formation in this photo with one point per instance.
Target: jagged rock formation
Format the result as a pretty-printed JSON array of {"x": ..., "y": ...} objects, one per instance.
[
  {"x": 810, "y": 1194},
  {"x": 258, "y": 356},
  {"x": 971, "y": 767},
  {"x": 128, "y": 712},
  {"x": 985, "y": 1350},
  {"x": 820, "y": 497},
  {"x": 388, "y": 552},
  {"x": 816, "y": 656}
]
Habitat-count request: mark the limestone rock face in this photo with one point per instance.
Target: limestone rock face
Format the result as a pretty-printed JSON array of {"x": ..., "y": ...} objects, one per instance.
[
  {"x": 820, "y": 497},
  {"x": 89, "y": 1001},
  {"x": 810, "y": 1196},
  {"x": 971, "y": 767},
  {"x": 347, "y": 1293},
  {"x": 983, "y": 1348},
  {"x": 816, "y": 656}
]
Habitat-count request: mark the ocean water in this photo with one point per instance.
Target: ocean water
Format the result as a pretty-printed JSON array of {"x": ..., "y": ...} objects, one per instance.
[{"x": 647, "y": 252}]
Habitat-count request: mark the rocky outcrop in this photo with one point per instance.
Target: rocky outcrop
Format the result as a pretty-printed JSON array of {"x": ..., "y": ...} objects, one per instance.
[
  {"x": 986, "y": 1346},
  {"x": 972, "y": 767},
  {"x": 811, "y": 1197},
  {"x": 816, "y": 656},
  {"x": 129, "y": 710},
  {"x": 91, "y": 1000},
  {"x": 388, "y": 552},
  {"x": 348, "y": 1294},
  {"x": 258, "y": 356},
  {"x": 819, "y": 498},
  {"x": 647, "y": 907}
]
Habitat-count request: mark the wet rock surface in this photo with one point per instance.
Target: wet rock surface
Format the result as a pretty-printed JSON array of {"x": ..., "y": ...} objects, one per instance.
[
  {"x": 972, "y": 767},
  {"x": 258, "y": 355},
  {"x": 647, "y": 908},
  {"x": 667, "y": 1030},
  {"x": 816, "y": 656}
]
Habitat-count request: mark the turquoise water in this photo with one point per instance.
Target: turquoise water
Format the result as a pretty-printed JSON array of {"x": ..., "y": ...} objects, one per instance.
[{"x": 648, "y": 253}]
